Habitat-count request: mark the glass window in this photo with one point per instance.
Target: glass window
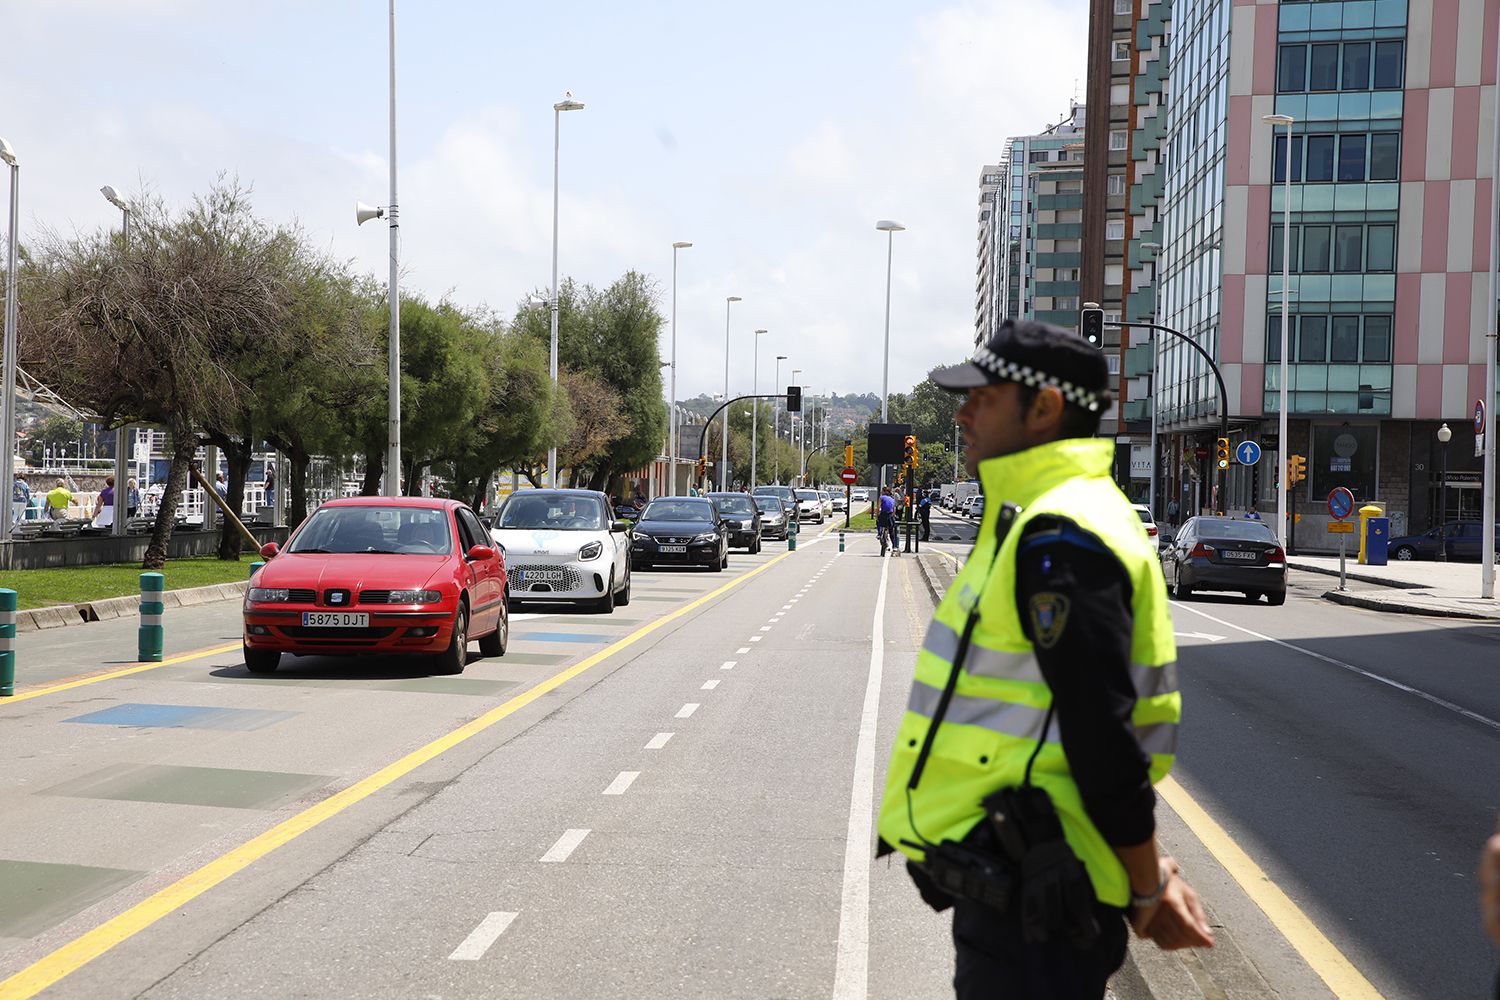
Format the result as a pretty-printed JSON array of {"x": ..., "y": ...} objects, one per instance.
[
  {"x": 1114, "y": 229},
  {"x": 1315, "y": 249},
  {"x": 1122, "y": 52},
  {"x": 1377, "y": 339},
  {"x": 1278, "y": 164},
  {"x": 1122, "y": 6},
  {"x": 1292, "y": 75},
  {"x": 1343, "y": 455},
  {"x": 1320, "y": 158},
  {"x": 1276, "y": 242},
  {"x": 1323, "y": 68},
  {"x": 1117, "y": 139},
  {"x": 1388, "y": 67},
  {"x": 1356, "y": 70},
  {"x": 1312, "y": 338},
  {"x": 1273, "y": 337},
  {"x": 1348, "y": 248},
  {"x": 1385, "y": 156},
  {"x": 1343, "y": 342},
  {"x": 1380, "y": 248},
  {"x": 1116, "y": 184},
  {"x": 1352, "y": 157}
]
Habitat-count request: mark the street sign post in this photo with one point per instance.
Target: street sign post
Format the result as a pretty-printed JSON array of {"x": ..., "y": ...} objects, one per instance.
[
  {"x": 1478, "y": 427},
  {"x": 1340, "y": 506},
  {"x": 1248, "y": 452}
]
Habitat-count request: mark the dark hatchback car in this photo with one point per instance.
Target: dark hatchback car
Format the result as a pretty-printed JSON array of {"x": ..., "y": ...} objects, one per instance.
[
  {"x": 1225, "y": 553},
  {"x": 1463, "y": 540},
  {"x": 740, "y": 509},
  {"x": 681, "y": 531},
  {"x": 775, "y": 516}
]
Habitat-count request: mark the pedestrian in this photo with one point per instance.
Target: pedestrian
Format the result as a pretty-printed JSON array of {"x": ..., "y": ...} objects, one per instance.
[
  {"x": 885, "y": 521},
  {"x": 104, "y": 505},
  {"x": 20, "y": 497},
  {"x": 1172, "y": 511},
  {"x": 1044, "y": 703},
  {"x": 132, "y": 498},
  {"x": 270, "y": 484},
  {"x": 924, "y": 510},
  {"x": 220, "y": 486},
  {"x": 1251, "y": 514},
  {"x": 59, "y": 498}
]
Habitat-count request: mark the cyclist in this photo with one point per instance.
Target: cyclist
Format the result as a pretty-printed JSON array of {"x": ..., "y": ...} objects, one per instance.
[{"x": 885, "y": 521}]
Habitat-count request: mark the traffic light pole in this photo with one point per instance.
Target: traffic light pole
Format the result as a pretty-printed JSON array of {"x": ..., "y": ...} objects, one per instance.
[
  {"x": 1223, "y": 474},
  {"x": 703, "y": 437}
]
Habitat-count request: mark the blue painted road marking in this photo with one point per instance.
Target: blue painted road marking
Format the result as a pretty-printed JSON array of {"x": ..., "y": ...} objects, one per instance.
[
  {"x": 1248, "y": 452},
  {"x": 560, "y": 637},
  {"x": 184, "y": 717}
]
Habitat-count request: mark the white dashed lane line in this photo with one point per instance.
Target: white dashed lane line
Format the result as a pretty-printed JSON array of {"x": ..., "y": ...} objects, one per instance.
[
  {"x": 709, "y": 685},
  {"x": 479, "y": 940},
  {"x": 687, "y": 710},
  {"x": 729, "y": 664},
  {"x": 756, "y": 638},
  {"x": 659, "y": 740},
  {"x": 742, "y": 650},
  {"x": 622, "y": 781},
  {"x": 566, "y": 845},
  {"x": 765, "y": 628}
]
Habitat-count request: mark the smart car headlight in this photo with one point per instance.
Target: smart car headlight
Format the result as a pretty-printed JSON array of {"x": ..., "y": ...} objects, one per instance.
[{"x": 591, "y": 551}]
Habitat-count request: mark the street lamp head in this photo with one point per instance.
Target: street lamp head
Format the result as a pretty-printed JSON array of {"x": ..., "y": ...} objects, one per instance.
[
  {"x": 1278, "y": 119},
  {"x": 887, "y": 226},
  {"x": 759, "y": 332},
  {"x": 733, "y": 298},
  {"x": 781, "y": 357},
  {"x": 8, "y": 154},
  {"x": 567, "y": 103},
  {"x": 537, "y": 300},
  {"x": 113, "y": 197},
  {"x": 681, "y": 245},
  {"x": 364, "y": 213},
  {"x": 1444, "y": 434},
  {"x": 1155, "y": 247}
]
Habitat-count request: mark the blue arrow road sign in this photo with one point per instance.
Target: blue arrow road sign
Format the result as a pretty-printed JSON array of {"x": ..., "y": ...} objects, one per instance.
[{"x": 1248, "y": 452}]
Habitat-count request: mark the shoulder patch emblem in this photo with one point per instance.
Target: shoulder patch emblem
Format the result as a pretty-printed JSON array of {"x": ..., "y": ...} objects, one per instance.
[{"x": 1049, "y": 617}]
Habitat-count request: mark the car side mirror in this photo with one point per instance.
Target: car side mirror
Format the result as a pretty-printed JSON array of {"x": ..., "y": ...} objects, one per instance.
[
  {"x": 269, "y": 550},
  {"x": 478, "y": 552},
  {"x": 1166, "y": 537},
  {"x": 735, "y": 525},
  {"x": 620, "y": 526}
]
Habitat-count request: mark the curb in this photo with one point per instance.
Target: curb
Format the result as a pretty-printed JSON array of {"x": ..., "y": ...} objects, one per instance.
[
  {"x": 1376, "y": 604},
  {"x": 1382, "y": 581},
  {"x": 61, "y": 615}
]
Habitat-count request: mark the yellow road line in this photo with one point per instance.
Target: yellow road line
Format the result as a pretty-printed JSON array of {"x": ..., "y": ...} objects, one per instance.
[
  {"x": 110, "y": 675},
  {"x": 1336, "y": 971},
  {"x": 91, "y": 944}
]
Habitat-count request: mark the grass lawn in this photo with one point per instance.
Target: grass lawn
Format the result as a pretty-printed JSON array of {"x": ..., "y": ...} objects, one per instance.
[
  {"x": 40, "y": 588},
  {"x": 862, "y": 521}
]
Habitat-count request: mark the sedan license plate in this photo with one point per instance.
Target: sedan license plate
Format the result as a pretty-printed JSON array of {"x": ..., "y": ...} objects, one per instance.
[
  {"x": 540, "y": 575},
  {"x": 335, "y": 619},
  {"x": 674, "y": 548},
  {"x": 1248, "y": 556}
]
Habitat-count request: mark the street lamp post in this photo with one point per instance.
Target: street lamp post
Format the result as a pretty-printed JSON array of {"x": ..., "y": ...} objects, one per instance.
[
  {"x": 890, "y": 229},
  {"x": 1283, "y": 441},
  {"x": 122, "y": 434},
  {"x": 8, "y": 376},
  {"x": 802, "y": 442},
  {"x": 755, "y": 407},
  {"x": 567, "y": 104},
  {"x": 1155, "y": 249},
  {"x": 1444, "y": 435},
  {"x": 724, "y": 435},
  {"x": 672, "y": 413},
  {"x": 776, "y": 426}
]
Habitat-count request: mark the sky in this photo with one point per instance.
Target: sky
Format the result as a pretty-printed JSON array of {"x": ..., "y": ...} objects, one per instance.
[{"x": 772, "y": 136}]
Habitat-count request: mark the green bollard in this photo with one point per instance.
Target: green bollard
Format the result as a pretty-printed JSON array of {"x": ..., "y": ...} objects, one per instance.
[
  {"x": 791, "y": 538},
  {"x": 149, "y": 639},
  {"x": 7, "y": 643},
  {"x": 253, "y": 567}
]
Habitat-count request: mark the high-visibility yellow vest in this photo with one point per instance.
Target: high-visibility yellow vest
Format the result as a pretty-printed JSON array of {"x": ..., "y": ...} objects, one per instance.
[{"x": 1000, "y": 703}]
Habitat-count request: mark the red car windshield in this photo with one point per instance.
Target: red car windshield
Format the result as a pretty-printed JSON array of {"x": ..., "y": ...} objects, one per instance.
[{"x": 370, "y": 529}]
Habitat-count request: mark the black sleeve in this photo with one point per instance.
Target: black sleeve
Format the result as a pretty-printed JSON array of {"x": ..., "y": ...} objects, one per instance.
[{"x": 1074, "y": 601}]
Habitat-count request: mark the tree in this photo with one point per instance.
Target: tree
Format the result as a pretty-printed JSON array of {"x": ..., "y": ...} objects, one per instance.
[
  {"x": 153, "y": 330},
  {"x": 52, "y": 433},
  {"x": 928, "y": 408},
  {"x": 514, "y": 421}
]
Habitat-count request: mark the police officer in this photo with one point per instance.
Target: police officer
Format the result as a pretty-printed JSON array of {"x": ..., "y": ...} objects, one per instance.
[{"x": 1044, "y": 703}]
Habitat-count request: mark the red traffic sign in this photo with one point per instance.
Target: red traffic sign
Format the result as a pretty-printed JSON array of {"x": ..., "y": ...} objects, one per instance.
[
  {"x": 1201, "y": 451},
  {"x": 849, "y": 476},
  {"x": 1478, "y": 416},
  {"x": 1340, "y": 504}
]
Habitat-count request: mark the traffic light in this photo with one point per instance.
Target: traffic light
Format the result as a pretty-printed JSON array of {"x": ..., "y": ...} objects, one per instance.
[
  {"x": 1296, "y": 470},
  {"x": 794, "y": 399},
  {"x": 910, "y": 450},
  {"x": 1091, "y": 325},
  {"x": 702, "y": 467},
  {"x": 1223, "y": 453},
  {"x": 849, "y": 453}
]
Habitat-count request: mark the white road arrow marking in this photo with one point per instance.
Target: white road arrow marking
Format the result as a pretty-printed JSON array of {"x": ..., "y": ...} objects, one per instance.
[{"x": 1198, "y": 635}]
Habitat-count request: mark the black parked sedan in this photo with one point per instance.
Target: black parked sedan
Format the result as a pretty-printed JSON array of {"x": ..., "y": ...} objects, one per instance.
[
  {"x": 739, "y": 508},
  {"x": 1225, "y": 553},
  {"x": 684, "y": 531}
]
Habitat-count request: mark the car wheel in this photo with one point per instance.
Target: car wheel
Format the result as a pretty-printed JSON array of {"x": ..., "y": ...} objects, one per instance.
[
  {"x": 1184, "y": 592},
  {"x": 261, "y": 661},
  {"x": 606, "y": 604},
  {"x": 1252, "y": 596},
  {"x": 453, "y": 659},
  {"x": 724, "y": 562},
  {"x": 1277, "y": 598},
  {"x": 494, "y": 644},
  {"x": 640, "y": 565},
  {"x": 1405, "y": 553},
  {"x": 623, "y": 598},
  {"x": 756, "y": 550}
]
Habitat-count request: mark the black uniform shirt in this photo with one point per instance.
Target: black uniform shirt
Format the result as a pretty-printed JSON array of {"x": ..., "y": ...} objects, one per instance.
[{"x": 1074, "y": 601}]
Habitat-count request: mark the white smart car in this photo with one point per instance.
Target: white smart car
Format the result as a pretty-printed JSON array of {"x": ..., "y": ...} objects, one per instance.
[{"x": 564, "y": 546}]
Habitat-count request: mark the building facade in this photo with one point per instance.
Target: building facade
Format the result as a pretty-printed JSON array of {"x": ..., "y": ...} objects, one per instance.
[{"x": 988, "y": 260}]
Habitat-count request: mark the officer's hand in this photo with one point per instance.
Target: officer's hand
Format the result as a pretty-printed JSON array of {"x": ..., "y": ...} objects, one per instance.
[
  {"x": 1178, "y": 921},
  {"x": 1489, "y": 887}
]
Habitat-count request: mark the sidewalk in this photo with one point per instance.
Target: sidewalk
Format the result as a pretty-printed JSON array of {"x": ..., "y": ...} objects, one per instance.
[{"x": 1444, "y": 590}]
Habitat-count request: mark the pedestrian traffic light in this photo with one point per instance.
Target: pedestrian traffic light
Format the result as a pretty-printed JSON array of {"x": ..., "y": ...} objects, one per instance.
[
  {"x": 910, "y": 452},
  {"x": 794, "y": 399},
  {"x": 1296, "y": 470},
  {"x": 1223, "y": 453},
  {"x": 1091, "y": 325}
]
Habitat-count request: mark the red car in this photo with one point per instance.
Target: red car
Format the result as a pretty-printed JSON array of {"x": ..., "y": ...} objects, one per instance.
[{"x": 380, "y": 575}]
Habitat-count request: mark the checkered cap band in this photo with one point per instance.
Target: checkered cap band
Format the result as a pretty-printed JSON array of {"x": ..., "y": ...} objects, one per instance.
[{"x": 1027, "y": 375}]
